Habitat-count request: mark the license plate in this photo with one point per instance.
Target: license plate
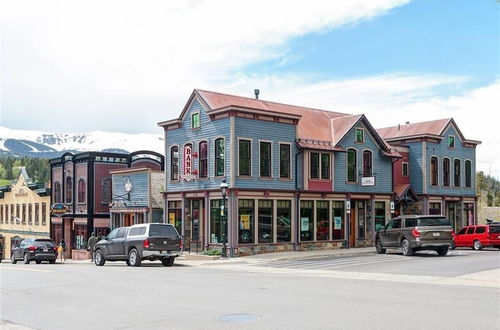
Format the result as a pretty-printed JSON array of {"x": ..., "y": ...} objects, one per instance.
[
  {"x": 436, "y": 234},
  {"x": 45, "y": 250}
]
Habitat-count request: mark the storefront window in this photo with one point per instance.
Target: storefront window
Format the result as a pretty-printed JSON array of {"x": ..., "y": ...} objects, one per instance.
[
  {"x": 283, "y": 223},
  {"x": 219, "y": 157},
  {"x": 323, "y": 221},
  {"x": 246, "y": 221},
  {"x": 434, "y": 208},
  {"x": 379, "y": 215},
  {"x": 361, "y": 220},
  {"x": 338, "y": 220},
  {"x": 469, "y": 213},
  {"x": 175, "y": 215},
  {"x": 216, "y": 221},
  {"x": 80, "y": 237},
  {"x": 265, "y": 221},
  {"x": 306, "y": 220}
]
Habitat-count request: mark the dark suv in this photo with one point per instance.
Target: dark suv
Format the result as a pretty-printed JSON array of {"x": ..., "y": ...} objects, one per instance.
[
  {"x": 416, "y": 232},
  {"x": 149, "y": 241},
  {"x": 37, "y": 249}
]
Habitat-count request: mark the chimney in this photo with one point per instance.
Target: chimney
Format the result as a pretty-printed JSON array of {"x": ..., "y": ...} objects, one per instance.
[
  {"x": 407, "y": 123},
  {"x": 399, "y": 127},
  {"x": 256, "y": 91}
]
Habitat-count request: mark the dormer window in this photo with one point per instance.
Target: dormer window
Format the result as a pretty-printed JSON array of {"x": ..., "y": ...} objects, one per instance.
[
  {"x": 195, "y": 120},
  {"x": 451, "y": 141},
  {"x": 360, "y": 135}
]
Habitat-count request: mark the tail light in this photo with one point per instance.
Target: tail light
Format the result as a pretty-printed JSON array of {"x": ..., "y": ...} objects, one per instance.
[
  {"x": 145, "y": 244},
  {"x": 180, "y": 244},
  {"x": 32, "y": 248},
  {"x": 415, "y": 232}
]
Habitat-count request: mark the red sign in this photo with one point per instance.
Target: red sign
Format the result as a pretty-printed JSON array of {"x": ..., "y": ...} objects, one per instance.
[{"x": 189, "y": 172}]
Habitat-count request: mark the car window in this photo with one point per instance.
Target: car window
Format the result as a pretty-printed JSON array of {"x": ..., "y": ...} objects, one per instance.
[
  {"x": 390, "y": 225},
  {"x": 44, "y": 242},
  {"x": 112, "y": 234},
  {"x": 462, "y": 231},
  {"x": 433, "y": 221},
  {"x": 397, "y": 223},
  {"x": 495, "y": 229},
  {"x": 162, "y": 230},
  {"x": 137, "y": 231},
  {"x": 121, "y": 233},
  {"x": 470, "y": 230},
  {"x": 480, "y": 230},
  {"x": 411, "y": 222}
]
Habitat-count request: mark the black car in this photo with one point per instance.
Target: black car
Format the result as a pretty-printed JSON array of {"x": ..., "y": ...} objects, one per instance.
[{"x": 37, "y": 249}]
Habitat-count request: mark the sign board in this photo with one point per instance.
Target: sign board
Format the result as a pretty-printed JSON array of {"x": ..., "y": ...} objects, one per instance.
[
  {"x": 188, "y": 164},
  {"x": 171, "y": 217},
  {"x": 58, "y": 209},
  {"x": 245, "y": 221},
  {"x": 368, "y": 181},
  {"x": 304, "y": 224},
  {"x": 348, "y": 206},
  {"x": 337, "y": 223},
  {"x": 392, "y": 207}
]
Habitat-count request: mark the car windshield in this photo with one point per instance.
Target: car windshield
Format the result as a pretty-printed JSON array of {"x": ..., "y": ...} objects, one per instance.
[
  {"x": 162, "y": 230},
  {"x": 44, "y": 242},
  {"x": 495, "y": 229},
  {"x": 433, "y": 222}
]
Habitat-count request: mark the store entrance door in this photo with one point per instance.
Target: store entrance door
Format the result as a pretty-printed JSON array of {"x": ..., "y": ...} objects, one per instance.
[
  {"x": 352, "y": 225},
  {"x": 193, "y": 225},
  {"x": 128, "y": 219}
]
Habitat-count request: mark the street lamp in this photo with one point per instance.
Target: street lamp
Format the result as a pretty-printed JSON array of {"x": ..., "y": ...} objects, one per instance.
[{"x": 223, "y": 187}]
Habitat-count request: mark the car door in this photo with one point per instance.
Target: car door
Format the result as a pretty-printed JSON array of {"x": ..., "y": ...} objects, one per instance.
[
  {"x": 481, "y": 235},
  {"x": 117, "y": 243},
  {"x": 396, "y": 232},
  {"x": 460, "y": 237},
  {"x": 385, "y": 234},
  {"x": 108, "y": 245},
  {"x": 469, "y": 236}
]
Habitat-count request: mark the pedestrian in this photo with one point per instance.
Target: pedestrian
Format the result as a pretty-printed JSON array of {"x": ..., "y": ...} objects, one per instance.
[
  {"x": 91, "y": 244},
  {"x": 62, "y": 249}
]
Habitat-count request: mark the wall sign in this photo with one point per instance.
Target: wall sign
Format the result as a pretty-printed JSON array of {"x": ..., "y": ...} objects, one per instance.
[
  {"x": 59, "y": 209},
  {"x": 188, "y": 164},
  {"x": 392, "y": 207},
  {"x": 368, "y": 181},
  {"x": 304, "y": 224}
]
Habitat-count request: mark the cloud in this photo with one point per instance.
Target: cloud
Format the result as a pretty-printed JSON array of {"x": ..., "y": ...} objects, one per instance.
[{"x": 125, "y": 65}]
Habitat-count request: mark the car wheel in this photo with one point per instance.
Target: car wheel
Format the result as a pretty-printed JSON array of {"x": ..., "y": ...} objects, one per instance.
[
  {"x": 38, "y": 262},
  {"x": 378, "y": 246},
  {"x": 477, "y": 245},
  {"x": 99, "y": 258},
  {"x": 26, "y": 258},
  {"x": 133, "y": 258},
  {"x": 13, "y": 259},
  {"x": 442, "y": 251},
  {"x": 167, "y": 262},
  {"x": 405, "y": 248},
  {"x": 128, "y": 262}
]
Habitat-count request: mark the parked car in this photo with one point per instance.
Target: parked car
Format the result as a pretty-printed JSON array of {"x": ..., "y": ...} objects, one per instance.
[
  {"x": 152, "y": 241},
  {"x": 479, "y": 236},
  {"x": 37, "y": 249},
  {"x": 412, "y": 233}
]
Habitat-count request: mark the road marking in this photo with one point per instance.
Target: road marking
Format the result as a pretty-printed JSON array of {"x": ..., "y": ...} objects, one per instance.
[
  {"x": 332, "y": 263},
  {"x": 27, "y": 269}
]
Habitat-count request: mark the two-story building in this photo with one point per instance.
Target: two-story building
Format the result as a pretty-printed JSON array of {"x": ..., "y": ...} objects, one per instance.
[
  {"x": 24, "y": 211},
  {"x": 439, "y": 165},
  {"x": 82, "y": 188},
  {"x": 298, "y": 177}
]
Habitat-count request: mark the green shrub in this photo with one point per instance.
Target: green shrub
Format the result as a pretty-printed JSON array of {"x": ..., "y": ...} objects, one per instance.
[{"x": 212, "y": 253}]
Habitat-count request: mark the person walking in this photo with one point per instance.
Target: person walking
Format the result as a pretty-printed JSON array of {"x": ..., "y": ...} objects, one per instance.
[
  {"x": 91, "y": 243},
  {"x": 62, "y": 249}
]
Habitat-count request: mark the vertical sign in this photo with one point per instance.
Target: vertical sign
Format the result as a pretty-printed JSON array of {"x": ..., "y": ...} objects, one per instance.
[
  {"x": 392, "y": 207},
  {"x": 348, "y": 206},
  {"x": 188, "y": 157}
]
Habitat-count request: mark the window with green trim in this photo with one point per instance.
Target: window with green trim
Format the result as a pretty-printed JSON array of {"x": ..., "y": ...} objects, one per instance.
[
  {"x": 360, "y": 135},
  {"x": 451, "y": 141},
  {"x": 195, "y": 120}
]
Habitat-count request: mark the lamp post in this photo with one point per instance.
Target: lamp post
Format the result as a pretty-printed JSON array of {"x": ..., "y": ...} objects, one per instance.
[{"x": 223, "y": 225}]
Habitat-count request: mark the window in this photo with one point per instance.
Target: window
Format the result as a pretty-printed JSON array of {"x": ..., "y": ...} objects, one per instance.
[
  {"x": 470, "y": 230},
  {"x": 137, "y": 231},
  {"x": 306, "y": 220},
  {"x": 195, "y": 120},
  {"x": 405, "y": 169},
  {"x": 361, "y": 219},
  {"x": 44, "y": 214},
  {"x": 175, "y": 214},
  {"x": 379, "y": 215},
  {"x": 1, "y": 213},
  {"x": 468, "y": 173},
  {"x": 121, "y": 233},
  {"x": 23, "y": 216},
  {"x": 284, "y": 160},
  {"x": 338, "y": 220},
  {"x": 325, "y": 166},
  {"x": 462, "y": 231},
  {"x": 217, "y": 228},
  {"x": 219, "y": 157},
  {"x": 69, "y": 190},
  {"x": 106, "y": 191},
  {"x": 81, "y": 191},
  {"x": 265, "y": 159},
  {"x": 265, "y": 221},
  {"x": 435, "y": 208},
  {"x": 30, "y": 214},
  {"x": 451, "y": 141},
  {"x": 434, "y": 171},
  {"x": 284, "y": 221},
  {"x": 57, "y": 192},
  {"x": 446, "y": 172},
  {"x": 397, "y": 223},
  {"x": 246, "y": 221},
  {"x": 244, "y": 157},
  {"x": 367, "y": 163},
  {"x": 360, "y": 135},
  {"x": 174, "y": 163},
  {"x": 203, "y": 149},
  {"x": 456, "y": 166},
  {"x": 37, "y": 214},
  {"x": 322, "y": 221},
  {"x": 480, "y": 230},
  {"x": 12, "y": 213},
  {"x": 314, "y": 165},
  {"x": 351, "y": 165}
]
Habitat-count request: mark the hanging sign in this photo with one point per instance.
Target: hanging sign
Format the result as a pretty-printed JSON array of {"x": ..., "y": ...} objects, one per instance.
[
  {"x": 188, "y": 164},
  {"x": 304, "y": 224},
  {"x": 59, "y": 209}
]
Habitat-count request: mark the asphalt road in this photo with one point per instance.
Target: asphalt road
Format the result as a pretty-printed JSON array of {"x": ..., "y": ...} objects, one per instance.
[{"x": 459, "y": 291}]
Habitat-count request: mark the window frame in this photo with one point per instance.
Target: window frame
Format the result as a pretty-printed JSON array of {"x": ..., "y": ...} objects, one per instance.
[
  {"x": 446, "y": 175},
  {"x": 270, "y": 160},
  {"x": 321, "y": 167},
  {"x": 454, "y": 141},
  {"x": 289, "y": 160},
  {"x": 84, "y": 192},
  {"x": 68, "y": 190},
  {"x": 318, "y": 166},
  {"x": 468, "y": 174},
  {"x": 356, "y": 130},
  {"x": 403, "y": 169},
  {"x": 371, "y": 162},
  {"x": 249, "y": 157},
  {"x": 103, "y": 181},
  {"x": 193, "y": 121},
  {"x": 206, "y": 160},
  {"x": 172, "y": 172},
  {"x": 218, "y": 158},
  {"x": 455, "y": 173},
  {"x": 355, "y": 165},
  {"x": 57, "y": 192},
  {"x": 434, "y": 179}
]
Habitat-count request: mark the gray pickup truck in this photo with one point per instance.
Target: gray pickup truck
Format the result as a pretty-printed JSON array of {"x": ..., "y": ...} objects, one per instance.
[
  {"x": 149, "y": 241},
  {"x": 416, "y": 232}
]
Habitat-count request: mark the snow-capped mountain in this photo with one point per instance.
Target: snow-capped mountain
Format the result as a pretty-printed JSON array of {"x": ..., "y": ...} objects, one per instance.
[{"x": 20, "y": 143}]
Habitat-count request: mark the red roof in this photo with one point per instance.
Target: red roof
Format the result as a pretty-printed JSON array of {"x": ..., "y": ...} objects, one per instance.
[{"x": 433, "y": 127}]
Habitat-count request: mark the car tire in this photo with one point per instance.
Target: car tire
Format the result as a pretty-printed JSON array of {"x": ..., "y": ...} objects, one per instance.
[
  {"x": 378, "y": 246},
  {"x": 38, "y": 262},
  {"x": 127, "y": 262},
  {"x": 477, "y": 245},
  {"x": 406, "y": 248},
  {"x": 13, "y": 259},
  {"x": 133, "y": 258},
  {"x": 442, "y": 251},
  {"x": 167, "y": 262},
  {"x": 99, "y": 258},
  {"x": 26, "y": 258}
]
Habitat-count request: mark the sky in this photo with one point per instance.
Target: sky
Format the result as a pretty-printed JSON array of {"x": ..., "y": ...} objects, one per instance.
[{"x": 78, "y": 66}]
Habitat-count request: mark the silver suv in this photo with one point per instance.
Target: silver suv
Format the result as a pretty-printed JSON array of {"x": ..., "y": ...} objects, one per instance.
[{"x": 416, "y": 232}]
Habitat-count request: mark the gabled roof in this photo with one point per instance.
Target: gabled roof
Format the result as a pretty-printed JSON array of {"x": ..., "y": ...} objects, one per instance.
[{"x": 405, "y": 189}]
